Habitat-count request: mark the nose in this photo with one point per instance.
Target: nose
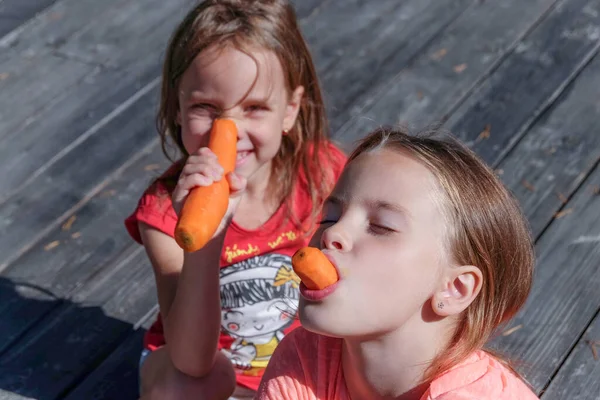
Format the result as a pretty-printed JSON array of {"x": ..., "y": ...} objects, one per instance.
[{"x": 336, "y": 238}]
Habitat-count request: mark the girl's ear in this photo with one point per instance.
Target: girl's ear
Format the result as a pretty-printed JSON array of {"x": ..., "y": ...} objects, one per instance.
[
  {"x": 462, "y": 286},
  {"x": 293, "y": 108}
]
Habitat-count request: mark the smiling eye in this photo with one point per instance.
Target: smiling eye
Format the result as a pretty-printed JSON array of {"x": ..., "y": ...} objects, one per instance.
[
  {"x": 256, "y": 108},
  {"x": 204, "y": 109}
]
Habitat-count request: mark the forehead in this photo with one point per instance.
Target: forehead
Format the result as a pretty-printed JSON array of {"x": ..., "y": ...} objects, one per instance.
[
  {"x": 233, "y": 72},
  {"x": 390, "y": 176}
]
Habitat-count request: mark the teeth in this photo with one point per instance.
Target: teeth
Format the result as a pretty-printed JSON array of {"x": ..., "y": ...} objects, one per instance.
[{"x": 242, "y": 154}]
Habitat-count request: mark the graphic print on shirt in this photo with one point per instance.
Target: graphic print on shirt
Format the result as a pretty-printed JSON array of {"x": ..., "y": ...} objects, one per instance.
[{"x": 259, "y": 297}]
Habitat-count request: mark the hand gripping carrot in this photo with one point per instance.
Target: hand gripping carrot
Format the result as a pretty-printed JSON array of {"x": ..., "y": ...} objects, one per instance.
[
  {"x": 205, "y": 206},
  {"x": 313, "y": 268}
]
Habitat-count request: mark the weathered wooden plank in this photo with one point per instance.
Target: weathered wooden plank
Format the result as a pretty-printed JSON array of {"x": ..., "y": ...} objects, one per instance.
[
  {"x": 34, "y": 76},
  {"x": 22, "y": 303},
  {"x": 74, "y": 253},
  {"x": 552, "y": 160},
  {"x": 75, "y": 178},
  {"x": 14, "y": 13},
  {"x": 5, "y": 395},
  {"x": 530, "y": 79},
  {"x": 118, "y": 376},
  {"x": 565, "y": 295},
  {"x": 75, "y": 338},
  {"x": 332, "y": 34},
  {"x": 428, "y": 89},
  {"x": 56, "y": 24},
  {"x": 305, "y": 8},
  {"x": 76, "y": 113},
  {"x": 578, "y": 376},
  {"x": 136, "y": 32},
  {"x": 372, "y": 60},
  {"x": 30, "y": 82}
]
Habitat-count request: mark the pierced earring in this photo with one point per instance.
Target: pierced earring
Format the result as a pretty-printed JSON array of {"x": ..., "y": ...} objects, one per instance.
[
  {"x": 440, "y": 305},
  {"x": 285, "y": 131}
]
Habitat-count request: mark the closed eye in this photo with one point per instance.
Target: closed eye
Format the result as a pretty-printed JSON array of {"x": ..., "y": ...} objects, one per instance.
[{"x": 376, "y": 229}]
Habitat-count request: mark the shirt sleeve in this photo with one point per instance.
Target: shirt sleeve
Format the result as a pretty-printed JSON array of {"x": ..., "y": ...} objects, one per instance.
[
  {"x": 154, "y": 209},
  {"x": 288, "y": 373}
]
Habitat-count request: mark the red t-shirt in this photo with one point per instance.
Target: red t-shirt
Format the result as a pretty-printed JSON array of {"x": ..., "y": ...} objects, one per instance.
[{"x": 259, "y": 289}]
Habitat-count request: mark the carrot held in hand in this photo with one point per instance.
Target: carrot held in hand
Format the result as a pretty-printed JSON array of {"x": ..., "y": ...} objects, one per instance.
[
  {"x": 205, "y": 206},
  {"x": 314, "y": 269}
]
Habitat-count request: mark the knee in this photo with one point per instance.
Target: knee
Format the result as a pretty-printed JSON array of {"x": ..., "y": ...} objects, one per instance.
[
  {"x": 221, "y": 378},
  {"x": 159, "y": 379}
]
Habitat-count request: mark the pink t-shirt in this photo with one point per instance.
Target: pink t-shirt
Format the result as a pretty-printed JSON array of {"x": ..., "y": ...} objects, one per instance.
[{"x": 307, "y": 366}]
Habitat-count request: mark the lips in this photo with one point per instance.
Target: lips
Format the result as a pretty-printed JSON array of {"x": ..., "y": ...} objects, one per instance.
[
  {"x": 316, "y": 295},
  {"x": 242, "y": 155},
  {"x": 319, "y": 295}
]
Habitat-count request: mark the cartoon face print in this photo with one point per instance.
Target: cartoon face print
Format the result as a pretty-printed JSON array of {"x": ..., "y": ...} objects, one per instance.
[
  {"x": 250, "y": 321},
  {"x": 259, "y": 298}
]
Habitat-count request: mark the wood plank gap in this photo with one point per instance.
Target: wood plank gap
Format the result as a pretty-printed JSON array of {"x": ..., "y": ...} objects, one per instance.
[
  {"x": 69, "y": 299},
  {"x": 37, "y": 238},
  {"x": 571, "y": 350},
  {"x": 92, "y": 130},
  {"x": 409, "y": 63},
  {"x": 72, "y": 57},
  {"x": 546, "y": 105},
  {"x": 92, "y": 381},
  {"x": 496, "y": 64},
  {"x": 565, "y": 205}
]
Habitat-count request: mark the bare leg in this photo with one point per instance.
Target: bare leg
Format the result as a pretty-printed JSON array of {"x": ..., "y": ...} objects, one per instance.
[{"x": 161, "y": 380}]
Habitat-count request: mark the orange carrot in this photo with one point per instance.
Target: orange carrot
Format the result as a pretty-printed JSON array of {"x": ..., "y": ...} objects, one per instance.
[
  {"x": 205, "y": 206},
  {"x": 314, "y": 269}
]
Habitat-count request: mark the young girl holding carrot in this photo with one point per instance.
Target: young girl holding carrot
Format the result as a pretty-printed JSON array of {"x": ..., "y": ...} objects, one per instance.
[
  {"x": 225, "y": 307},
  {"x": 429, "y": 254}
]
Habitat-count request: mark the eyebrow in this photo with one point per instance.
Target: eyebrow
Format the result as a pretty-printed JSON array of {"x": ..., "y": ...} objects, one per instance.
[
  {"x": 376, "y": 204},
  {"x": 197, "y": 95}
]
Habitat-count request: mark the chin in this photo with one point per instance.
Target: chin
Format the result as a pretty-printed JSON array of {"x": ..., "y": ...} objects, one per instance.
[{"x": 316, "y": 319}]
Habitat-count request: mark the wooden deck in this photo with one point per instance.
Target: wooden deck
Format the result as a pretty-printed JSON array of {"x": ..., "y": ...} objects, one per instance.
[{"x": 517, "y": 80}]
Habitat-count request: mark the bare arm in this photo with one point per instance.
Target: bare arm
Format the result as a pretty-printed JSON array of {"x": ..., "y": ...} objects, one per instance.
[
  {"x": 188, "y": 297},
  {"x": 193, "y": 301},
  {"x": 166, "y": 258},
  {"x": 194, "y": 322}
]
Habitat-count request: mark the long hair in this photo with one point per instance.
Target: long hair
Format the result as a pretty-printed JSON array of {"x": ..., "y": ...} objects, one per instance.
[
  {"x": 486, "y": 228},
  {"x": 249, "y": 24}
]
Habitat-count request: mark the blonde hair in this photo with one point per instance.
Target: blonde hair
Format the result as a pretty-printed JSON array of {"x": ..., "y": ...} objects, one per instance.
[
  {"x": 486, "y": 229},
  {"x": 246, "y": 25}
]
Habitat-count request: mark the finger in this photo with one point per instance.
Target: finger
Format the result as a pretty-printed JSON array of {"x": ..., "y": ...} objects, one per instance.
[
  {"x": 194, "y": 180},
  {"x": 210, "y": 169},
  {"x": 204, "y": 151},
  {"x": 201, "y": 159}
]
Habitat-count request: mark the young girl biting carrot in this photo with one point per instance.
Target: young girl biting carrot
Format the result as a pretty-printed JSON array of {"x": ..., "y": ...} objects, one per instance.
[
  {"x": 225, "y": 307},
  {"x": 430, "y": 255}
]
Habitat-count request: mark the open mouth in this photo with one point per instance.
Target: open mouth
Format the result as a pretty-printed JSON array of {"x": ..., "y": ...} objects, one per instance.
[{"x": 242, "y": 156}]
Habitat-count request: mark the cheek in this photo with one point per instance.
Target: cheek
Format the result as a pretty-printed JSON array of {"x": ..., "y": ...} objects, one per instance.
[
  {"x": 194, "y": 133},
  {"x": 266, "y": 133}
]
